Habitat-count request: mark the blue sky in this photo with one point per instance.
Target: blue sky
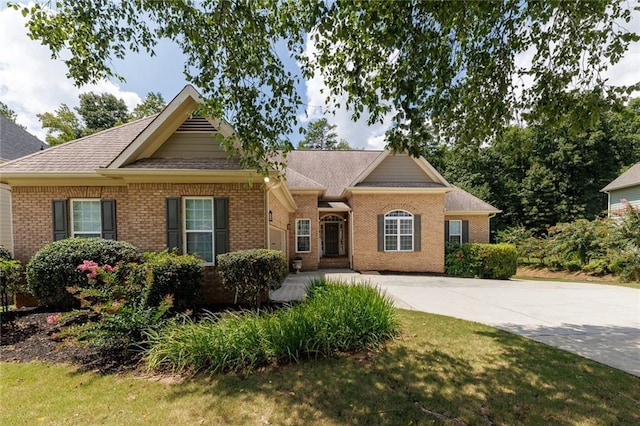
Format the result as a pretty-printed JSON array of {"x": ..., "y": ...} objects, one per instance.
[{"x": 31, "y": 82}]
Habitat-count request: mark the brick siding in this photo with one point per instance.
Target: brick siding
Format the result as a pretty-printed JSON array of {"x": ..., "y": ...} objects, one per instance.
[
  {"x": 478, "y": 227},
  {"x": 366, "y": 209}
]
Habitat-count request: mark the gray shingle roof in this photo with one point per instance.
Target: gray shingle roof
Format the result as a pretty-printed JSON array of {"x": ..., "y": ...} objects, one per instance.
[
  {"x": 186, "y": 163},
  {"x": 83, "y": 155},
  {"x": 629, "y": 178},
  {"x": 460, "y": 201},
  {"x": 334, "y": 170},
  {"x": 15, "y": 142}
]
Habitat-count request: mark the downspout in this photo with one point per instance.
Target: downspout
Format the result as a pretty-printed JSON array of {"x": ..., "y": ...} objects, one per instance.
[{"x": 350, "y": 212}]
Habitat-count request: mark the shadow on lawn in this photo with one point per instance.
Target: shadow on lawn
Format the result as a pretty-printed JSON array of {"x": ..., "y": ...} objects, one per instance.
[{"x": 412, "y": 381}]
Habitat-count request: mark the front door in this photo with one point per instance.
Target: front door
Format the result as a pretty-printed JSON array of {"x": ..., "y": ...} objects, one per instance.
[{"x": 331, "y": 239}]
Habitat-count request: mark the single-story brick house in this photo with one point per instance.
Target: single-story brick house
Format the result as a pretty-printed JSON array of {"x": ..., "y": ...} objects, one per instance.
[{"x": 165, "y": 182}]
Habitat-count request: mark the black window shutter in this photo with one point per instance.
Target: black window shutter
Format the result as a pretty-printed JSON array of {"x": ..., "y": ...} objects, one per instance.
[
  {"x": 60, "y": 223},
  {"x": 380, "y": 232},
  {"x": 174, "y": 225},
  {"x": 417, "y": 232},
  {"x": 221, "y": 225},
  {"x": 465, "y": 231},
  {"x": 446, "y": 231},
  {"x": 108, "y": 217}
]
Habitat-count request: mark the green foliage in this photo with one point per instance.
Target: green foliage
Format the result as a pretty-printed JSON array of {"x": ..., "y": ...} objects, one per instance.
[
  {"x": 251, "y": 273},
  {"x": 319, "y": 135},
  {"x": 5, "y": 254},
  {"x": 451, "y": 68},
  {"x": 62, "y": 125},
  {"x": 101, "y": 111},
  {"x": 496, "y": 261},
  {"x": 11, "y": 280},
  {"x": 170, "y": 274},
  {"x": 338, "y": 317},
  {"x": 55, "y": 266},
  {"x": 152, "y": 104},
  {"x": 580, "y": 240}
]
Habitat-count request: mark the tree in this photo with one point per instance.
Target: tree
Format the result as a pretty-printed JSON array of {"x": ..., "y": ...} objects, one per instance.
[
  {"x": 9, "y": 114},
  {"x": 319, "y": 135},
  {"x": 453, "y": 65},
  {"x": 343, "y": 145},
  {"x": 152, "y": 104},
  {"x": 101, "y": 111},
  {"x": 95, "y": 113},
  {"x": 62, "y": 125}
]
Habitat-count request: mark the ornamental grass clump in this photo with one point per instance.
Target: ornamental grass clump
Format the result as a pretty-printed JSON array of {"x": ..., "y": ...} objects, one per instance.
[{"x": 336, "y": 317}]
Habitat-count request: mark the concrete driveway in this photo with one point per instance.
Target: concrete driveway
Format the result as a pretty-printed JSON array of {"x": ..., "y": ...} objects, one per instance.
[{"x": 599, "y": 322}]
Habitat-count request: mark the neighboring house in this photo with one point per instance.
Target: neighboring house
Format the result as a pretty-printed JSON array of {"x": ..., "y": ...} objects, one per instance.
[
  {"x": 625, "y": 187},
  {"x": 165, "y": 182},
  {"x": 15, "y": 142}
]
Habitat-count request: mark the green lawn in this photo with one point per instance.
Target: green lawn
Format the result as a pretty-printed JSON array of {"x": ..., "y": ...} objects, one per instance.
[{"x": 440, "y": 370}]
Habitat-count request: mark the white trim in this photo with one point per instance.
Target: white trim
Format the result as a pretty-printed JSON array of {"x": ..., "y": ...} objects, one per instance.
[
  {"x": 309, "y": 236},
  {"x": 399, "y": 234},
  {"x": 72, "y": 222},
  {"x": 199, "y": 231},
  {"x": 460, "y": 234}
]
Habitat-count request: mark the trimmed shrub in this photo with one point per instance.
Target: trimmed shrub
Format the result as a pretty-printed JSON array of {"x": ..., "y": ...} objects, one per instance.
[
  {"x": 167, "y": 273},
  {"x": 55, "y": 266},
  {"x": 251, "y": 273},
  {"x": 5, "y": 254},
  {"x": 498, "y": 261},
  {"x": 336, "y": 318}
]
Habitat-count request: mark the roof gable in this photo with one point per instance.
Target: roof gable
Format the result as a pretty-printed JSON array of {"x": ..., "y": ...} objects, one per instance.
[
  {"x": 629, "y": 178},
  {"x": 400, "y": 170},
  {"x": 176, "y": 117}
]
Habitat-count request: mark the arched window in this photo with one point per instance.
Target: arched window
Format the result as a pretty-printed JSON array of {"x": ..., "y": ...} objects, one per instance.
[{"x": 398, "y": 231}]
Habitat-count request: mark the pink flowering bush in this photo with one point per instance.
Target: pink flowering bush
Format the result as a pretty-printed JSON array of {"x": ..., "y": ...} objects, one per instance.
[{"x": 52, "y": 319}]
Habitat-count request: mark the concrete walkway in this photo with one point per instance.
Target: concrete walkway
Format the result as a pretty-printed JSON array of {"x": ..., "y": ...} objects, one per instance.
[{"x": 599, "y": 322}]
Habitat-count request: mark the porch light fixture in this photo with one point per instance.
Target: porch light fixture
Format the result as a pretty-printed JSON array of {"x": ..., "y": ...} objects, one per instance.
[{"x": 270, "y": 216}]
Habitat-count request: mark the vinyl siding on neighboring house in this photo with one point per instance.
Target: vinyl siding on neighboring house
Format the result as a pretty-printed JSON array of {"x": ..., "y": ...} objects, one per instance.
[
  {"x": 6, "y": 239},
  {"x": 631, "y": 194}
]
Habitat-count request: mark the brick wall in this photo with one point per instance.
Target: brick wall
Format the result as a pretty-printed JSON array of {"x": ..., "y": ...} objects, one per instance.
[
  {"x": 307, "y": 209},
  {"x": 140, "y": 212},
  {"x": 367, "y": 207},
  {"x": 478, "y": 227}
]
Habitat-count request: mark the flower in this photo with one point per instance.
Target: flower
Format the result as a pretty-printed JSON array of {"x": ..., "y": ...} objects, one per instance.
[
  {"x": 52, "y": 319},
  {"x": 108, "y": 268}
]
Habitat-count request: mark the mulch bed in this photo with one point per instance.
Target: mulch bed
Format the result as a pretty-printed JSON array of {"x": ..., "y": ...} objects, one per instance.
[{"x": 26, "y": 336}]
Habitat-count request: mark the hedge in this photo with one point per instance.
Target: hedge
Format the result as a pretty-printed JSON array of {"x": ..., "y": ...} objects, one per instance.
[
  {"x": 497, "y": 261},
  {"x": 250, "y": 273},
  {"x": 55, "y": 266}
]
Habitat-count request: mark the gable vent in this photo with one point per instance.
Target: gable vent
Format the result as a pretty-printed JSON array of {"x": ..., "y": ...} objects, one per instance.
[{"x": 196, "y": 124}]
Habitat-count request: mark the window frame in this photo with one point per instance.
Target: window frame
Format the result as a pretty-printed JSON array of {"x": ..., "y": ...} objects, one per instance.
[
  {"x": 398, "y": 234},
  {"x": 298, "y": 235},
  {"x": 455, "y": 235},
  {"x": 185, "y": 231},
  {"x": 81, "y": 234}
]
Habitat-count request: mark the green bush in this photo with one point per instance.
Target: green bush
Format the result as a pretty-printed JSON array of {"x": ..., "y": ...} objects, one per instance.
[
  {"x": 498, "y": 261},
  {"x": 55, "y": 266},
  {"x": 170, "y": 274},
  {"x": 338, "y": 317},
  {"x": 251, "y": 273},
  {"x": 5, "y": 254}
]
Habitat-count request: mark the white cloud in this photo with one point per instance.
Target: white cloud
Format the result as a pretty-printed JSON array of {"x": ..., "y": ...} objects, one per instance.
[
  {"x": 358, "y": 134},
  {"x": 32, "y": 83},
  {"x": 626, "y": 71}
]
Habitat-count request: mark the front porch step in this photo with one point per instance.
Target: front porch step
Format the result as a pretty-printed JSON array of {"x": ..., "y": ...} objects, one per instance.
[{"x": 337, "y": 262}]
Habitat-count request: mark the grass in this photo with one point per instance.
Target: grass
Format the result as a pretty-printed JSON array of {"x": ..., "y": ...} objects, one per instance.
[
  {"x": 440, "y": 370},
  {"x": 334, "y": 318}
]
